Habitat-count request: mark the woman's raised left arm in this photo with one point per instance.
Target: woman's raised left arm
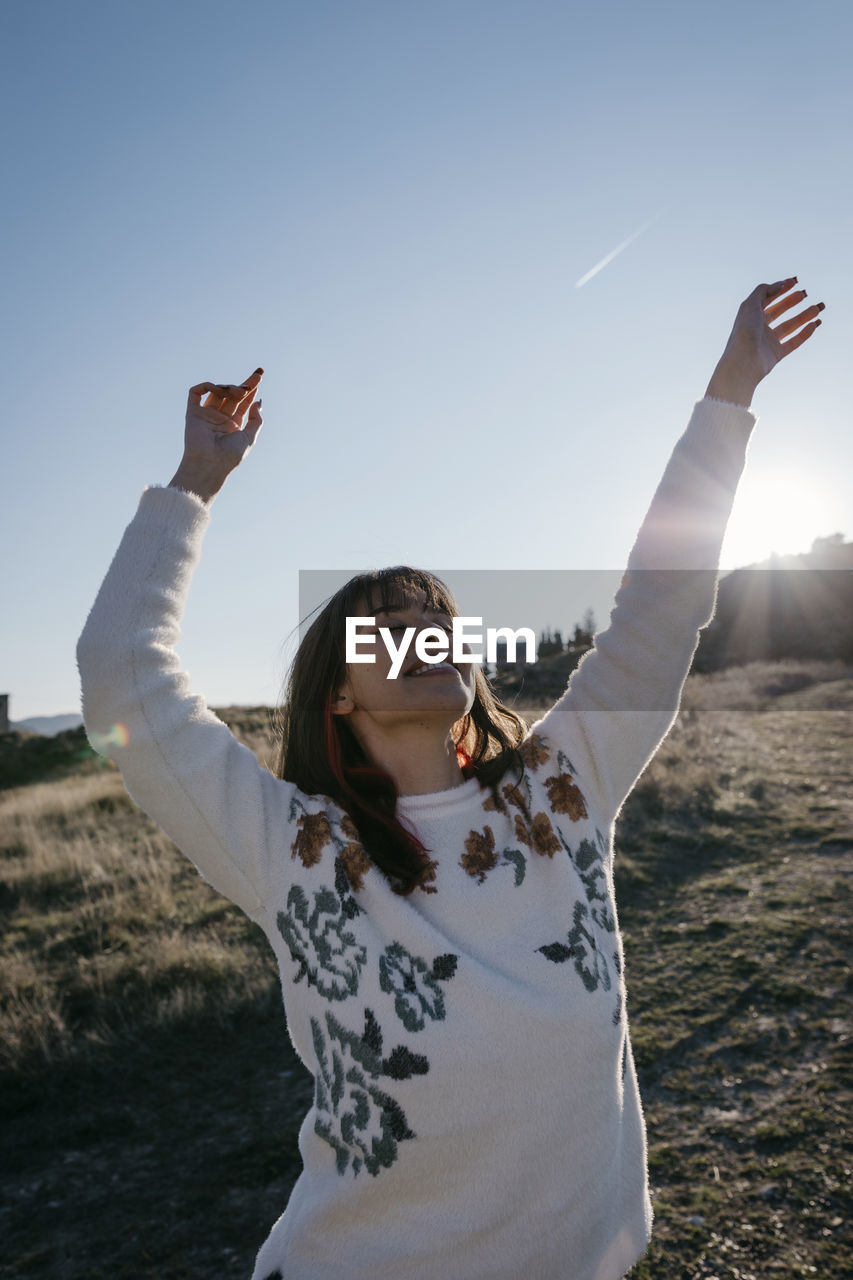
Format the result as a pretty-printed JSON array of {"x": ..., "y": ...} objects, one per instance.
[{"x": 623, "y": 698}]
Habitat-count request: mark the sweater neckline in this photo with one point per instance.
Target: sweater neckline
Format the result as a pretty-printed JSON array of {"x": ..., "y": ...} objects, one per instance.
[{"x": 440, "y": 803}]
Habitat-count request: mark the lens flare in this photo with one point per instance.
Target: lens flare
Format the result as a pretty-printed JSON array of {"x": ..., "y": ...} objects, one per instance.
[{"x": 118, "y": 735}]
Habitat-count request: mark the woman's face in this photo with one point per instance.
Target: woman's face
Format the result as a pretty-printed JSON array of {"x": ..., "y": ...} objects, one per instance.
[{"x": 437, "y": 693}]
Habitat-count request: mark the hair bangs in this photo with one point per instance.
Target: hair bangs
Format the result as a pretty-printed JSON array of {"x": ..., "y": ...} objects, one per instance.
[{"x": 398, "y": 587}]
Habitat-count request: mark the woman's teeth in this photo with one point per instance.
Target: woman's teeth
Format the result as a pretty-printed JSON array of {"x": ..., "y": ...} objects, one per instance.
[{"x": 436, "y": 666}]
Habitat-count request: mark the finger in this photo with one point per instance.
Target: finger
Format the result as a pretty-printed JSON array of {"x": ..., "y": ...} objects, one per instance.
[
  {"x": 772, "y": 291},
  {"x": 779, "y": 308},
  {"x": 797, "y": 341},
  {"x": 228, "y": 399},
  {"x": 796, "y": 322},
  {"x": 254, "y": 423},
  {"x": 196, "y": 393},
  {"x": 245, "y": 402},
  {"x": 231, "y": 396},
  {"x": 250, "y": 386},
  {"x": 217, "y": 395}
]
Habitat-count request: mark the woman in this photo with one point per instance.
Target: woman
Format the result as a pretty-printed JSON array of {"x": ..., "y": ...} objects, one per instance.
[{"x": 436, "y": 885}]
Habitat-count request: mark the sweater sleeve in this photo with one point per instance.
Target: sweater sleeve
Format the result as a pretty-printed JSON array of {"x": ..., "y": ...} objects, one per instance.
[
  {"x": 623, "y": 697},
  {"x": 179, "y": 762}
]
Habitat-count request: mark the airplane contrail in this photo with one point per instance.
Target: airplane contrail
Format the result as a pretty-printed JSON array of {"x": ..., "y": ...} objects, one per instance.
[{"x": 614, "y": 253}]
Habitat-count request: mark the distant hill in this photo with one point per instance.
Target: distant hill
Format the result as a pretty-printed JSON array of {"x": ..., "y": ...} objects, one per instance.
[
  {"x": 786, "y": 607},
  {"x": 35, "y": 757},
  {"x": 48, "y": 725},
  {"x": 27, "y": 756}
]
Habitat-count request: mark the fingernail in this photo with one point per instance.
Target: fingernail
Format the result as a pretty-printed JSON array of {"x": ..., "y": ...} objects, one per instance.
[
  {"x": 821, "y": 306},
  {"x": 258, "y": 370},
  {"x": 260, "y": 402}
]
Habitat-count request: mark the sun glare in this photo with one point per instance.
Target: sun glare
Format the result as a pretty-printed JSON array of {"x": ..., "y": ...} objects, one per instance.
[{"x": 782, "y": 514}]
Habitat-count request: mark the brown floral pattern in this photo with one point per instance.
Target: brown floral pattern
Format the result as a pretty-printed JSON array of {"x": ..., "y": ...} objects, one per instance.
[
  {"x": 538, "y": 835},
  {"x": 356, "y": 862},
  {"x": 480, "y": 854},
  {"x": 534, "y": 752},
  {"x": 349, "y": 828},
  {"x": 313, "y": 836},
  {"x": 426, "y": 884},
  {"x": 566, "y": 797},
  {"x": 514, "y": 796}
]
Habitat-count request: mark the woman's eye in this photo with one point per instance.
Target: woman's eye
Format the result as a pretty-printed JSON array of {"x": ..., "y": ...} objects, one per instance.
[{"x": 402, "y": 626}]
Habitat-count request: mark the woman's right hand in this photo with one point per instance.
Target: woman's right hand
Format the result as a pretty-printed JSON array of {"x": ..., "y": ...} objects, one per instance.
[{"x": 215, "y": 439}]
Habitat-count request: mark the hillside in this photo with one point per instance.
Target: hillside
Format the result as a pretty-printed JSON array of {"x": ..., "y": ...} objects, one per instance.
[
  {"x": 150, "y": 1100},
  {"x": 798, "y": 607}
]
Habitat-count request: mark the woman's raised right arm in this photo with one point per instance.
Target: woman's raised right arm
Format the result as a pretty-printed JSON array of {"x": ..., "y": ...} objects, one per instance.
[{"x": 179, "y": 761}]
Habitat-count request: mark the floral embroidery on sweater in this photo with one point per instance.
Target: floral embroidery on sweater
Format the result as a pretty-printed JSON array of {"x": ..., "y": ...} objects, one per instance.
[
  {"x": 591, "y": 869},
  {"x": 481, "y": 856},
  {"x": 311, "y": 839},
  {"x": 359, "y": 1120},
  {"x": 414, "y": 984},
  {"x": 480, "y": 853},
  {"x": 582, "y": 945},
  {"x": 535, "y": 831},
  {"x": 538, "y": 834},
  {"x": 534, "y": 751},
  {"x": 566, "y": 797},
  {"x": 590, "y": 961},
  {"x": 352, "y": 861},
  {"x": 325, "y": 950},
  {"x": 356, "y": 861}
]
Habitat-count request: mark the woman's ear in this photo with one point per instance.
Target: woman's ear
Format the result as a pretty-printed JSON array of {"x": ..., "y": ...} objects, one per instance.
[{"x": 342, "y": 701}]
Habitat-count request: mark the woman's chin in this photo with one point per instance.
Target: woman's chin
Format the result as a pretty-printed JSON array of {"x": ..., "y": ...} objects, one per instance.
[{"x": 441, "y": 687}]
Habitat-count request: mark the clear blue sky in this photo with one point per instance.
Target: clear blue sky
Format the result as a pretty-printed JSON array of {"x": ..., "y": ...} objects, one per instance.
[{"x": 388, "y": 206}]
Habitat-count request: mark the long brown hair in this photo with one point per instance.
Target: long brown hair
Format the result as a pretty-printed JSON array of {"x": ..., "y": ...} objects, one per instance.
[{"x": 321, "y": 755}]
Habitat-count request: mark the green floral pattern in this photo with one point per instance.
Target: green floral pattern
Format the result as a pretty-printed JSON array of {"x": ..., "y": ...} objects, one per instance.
[
  {"x": 361, "y": 1122},
  {"x": 590, "y": 962},
  {"x": 415, "y": 985},
  {"x": 591, "y": 869},
  {"x": 591, "y": 919},
  {"x": 319, "y": 941}
]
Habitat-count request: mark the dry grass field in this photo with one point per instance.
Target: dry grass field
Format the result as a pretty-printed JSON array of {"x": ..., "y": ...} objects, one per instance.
[{"x": 151, "y": 1101}]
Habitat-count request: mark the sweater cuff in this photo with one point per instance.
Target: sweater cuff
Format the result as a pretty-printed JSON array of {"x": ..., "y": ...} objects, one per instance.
[
  {"x": 721, "y": 421},
  {"x": 717, "y": 436},
  {"x": 175, "y": 510}
]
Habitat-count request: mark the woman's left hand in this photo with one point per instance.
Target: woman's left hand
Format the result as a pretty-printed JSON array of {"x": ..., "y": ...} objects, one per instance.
[{"x": 755, "y": 346}]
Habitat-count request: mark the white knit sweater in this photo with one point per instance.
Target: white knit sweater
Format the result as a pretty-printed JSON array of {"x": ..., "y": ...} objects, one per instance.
[{"x": 476, "y": 1113}]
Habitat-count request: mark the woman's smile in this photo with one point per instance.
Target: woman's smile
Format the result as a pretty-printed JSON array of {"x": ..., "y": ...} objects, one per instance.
[{"x": 431, "y": 669}]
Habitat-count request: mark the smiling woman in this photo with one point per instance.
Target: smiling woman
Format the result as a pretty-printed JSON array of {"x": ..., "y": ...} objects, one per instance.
[
  {"x": 349, "y": 731},
  {"x": 436, "y": 881}
]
